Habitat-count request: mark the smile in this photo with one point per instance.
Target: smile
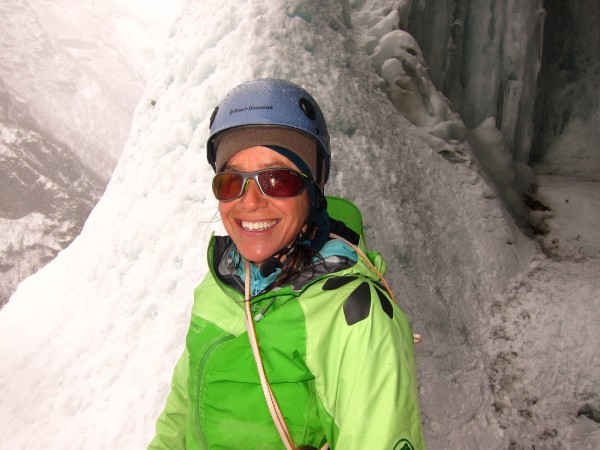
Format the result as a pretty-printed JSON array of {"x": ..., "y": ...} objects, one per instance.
[{"x": 258, "y": 226}]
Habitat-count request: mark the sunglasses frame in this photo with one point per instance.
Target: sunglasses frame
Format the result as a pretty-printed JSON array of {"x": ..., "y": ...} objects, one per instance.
[{"x": 247, "y": 176}]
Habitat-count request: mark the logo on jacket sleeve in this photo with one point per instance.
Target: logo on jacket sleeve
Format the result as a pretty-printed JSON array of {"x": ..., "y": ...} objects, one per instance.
[
  {"x": 404, "y": 444},
  {"x": 358, "y": 304}
]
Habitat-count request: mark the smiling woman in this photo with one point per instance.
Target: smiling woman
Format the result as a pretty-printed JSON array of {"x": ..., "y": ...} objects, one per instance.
[
  {"x": 293, "y": 341},
  {"x": 261, "y": 225}
]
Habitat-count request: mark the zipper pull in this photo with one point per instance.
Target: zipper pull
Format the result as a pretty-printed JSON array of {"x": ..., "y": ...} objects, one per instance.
[{"x": 263, "y": 311}]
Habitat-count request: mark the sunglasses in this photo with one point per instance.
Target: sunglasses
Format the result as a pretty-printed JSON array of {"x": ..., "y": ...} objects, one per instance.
[{"x": 277, "y": 183}]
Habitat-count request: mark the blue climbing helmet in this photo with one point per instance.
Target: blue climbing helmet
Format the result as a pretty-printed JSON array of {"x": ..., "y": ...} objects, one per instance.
[{"x": 270, "y": 112}]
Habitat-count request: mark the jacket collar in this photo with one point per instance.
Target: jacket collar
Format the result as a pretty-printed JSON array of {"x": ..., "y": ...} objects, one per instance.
[{"x": 228, "y": 265}]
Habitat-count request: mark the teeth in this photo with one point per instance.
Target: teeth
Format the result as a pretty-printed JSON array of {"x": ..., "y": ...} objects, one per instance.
[{"x": 255, "y": 226}]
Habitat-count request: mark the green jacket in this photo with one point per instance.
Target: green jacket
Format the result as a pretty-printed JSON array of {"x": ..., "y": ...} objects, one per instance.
[{"x": 337, "y": 352}]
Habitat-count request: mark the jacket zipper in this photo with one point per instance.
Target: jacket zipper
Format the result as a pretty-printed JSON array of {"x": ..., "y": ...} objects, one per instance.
[{"x": 198, "y": 388}]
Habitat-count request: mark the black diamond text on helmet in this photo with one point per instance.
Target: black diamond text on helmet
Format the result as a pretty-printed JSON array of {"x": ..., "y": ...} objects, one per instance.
[{"x": 249, "y": 108}]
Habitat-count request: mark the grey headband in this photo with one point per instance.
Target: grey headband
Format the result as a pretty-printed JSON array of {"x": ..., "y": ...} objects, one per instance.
[{"x": 245, "y": 137}]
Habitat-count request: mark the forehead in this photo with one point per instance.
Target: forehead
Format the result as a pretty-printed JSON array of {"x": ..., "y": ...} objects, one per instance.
[{"x": 258, "y": 158}]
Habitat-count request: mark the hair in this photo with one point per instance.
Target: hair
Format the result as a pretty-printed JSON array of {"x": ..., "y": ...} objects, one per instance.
[{"x": 301, "y": 258}]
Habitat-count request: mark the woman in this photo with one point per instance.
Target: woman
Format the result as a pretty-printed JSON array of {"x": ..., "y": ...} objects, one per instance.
[{"x": 293, "y": 341}]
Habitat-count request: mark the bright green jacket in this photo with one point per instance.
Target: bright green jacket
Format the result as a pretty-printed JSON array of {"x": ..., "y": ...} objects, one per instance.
[{"x": 337, "y": 352}]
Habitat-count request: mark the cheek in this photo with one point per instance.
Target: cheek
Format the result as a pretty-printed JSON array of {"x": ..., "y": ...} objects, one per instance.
[
  {"x": 224, "y": 209},
  {"x": 299, "y": 209}
]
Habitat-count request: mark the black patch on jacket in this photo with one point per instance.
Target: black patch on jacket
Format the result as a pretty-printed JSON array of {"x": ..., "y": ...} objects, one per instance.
[
  {"x": 337, "y": 282},
  {"x": 358, "y": 304},
  {"x": 385, "y": 302}
]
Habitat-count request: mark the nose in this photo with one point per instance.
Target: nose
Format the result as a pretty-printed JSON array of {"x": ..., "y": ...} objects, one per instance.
[{"x": 252, "y": 198}]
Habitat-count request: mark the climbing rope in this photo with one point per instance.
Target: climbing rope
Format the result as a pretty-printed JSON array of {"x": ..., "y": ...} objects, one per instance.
[{"x": 274, "y": 409}]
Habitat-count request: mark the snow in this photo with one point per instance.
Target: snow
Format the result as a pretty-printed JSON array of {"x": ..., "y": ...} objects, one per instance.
[
  {"x": 570, "y": 198},
  {"x": 545, "y": 328},
  {"x": 571, "y": 154},
  {"x": 509, "y": 324}
]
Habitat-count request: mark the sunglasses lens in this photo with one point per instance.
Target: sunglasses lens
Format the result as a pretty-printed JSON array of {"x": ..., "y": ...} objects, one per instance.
[
  {"x": 281, "y": 183},
  {"x": 227, "y": 186}
]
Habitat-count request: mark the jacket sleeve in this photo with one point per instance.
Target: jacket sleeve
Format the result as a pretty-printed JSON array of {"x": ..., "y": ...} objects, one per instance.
[
  {"x": 171, "y": 424},
  {"x": 361, "y": 352}
]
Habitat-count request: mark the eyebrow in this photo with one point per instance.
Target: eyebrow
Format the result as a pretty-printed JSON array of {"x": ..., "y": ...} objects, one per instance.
[{"x": 267, "y": 165}]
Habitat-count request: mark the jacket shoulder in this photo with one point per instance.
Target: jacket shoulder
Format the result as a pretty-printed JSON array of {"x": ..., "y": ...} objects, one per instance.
[
  {"x": 213, "y": 304},
  {"x": 348, "y": 299}
]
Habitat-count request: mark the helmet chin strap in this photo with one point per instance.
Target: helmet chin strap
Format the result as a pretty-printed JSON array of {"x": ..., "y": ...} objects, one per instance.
[{"x": 271, "y": 264}]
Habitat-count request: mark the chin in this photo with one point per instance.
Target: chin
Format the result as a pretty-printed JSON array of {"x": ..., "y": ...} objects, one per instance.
[{"x": 254, "y": 257}]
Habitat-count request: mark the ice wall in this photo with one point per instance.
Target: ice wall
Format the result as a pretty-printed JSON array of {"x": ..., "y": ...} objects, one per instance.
[
  {"x": 407, "y": 80},
  {"x": 568, "y": 110},
  {"x": 485, "y": 57},
  {"x": 531, "y": 66}
]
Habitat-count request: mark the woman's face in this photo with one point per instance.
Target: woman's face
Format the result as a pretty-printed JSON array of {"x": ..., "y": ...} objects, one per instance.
[{"x": 260, "y": 225}]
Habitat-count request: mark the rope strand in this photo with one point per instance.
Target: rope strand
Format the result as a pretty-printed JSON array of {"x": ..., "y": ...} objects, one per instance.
[{"x": 274, "y": 409}]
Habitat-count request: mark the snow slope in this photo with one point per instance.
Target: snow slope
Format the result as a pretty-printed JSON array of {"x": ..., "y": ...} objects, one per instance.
[
  {"x": 45, "y": 194},
  {"x": 89, "y": 342},
  {"x": 74, "y": 72}
]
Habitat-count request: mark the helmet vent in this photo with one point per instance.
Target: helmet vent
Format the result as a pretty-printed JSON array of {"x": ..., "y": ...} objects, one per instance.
[{"x": 307, "y": 108}]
